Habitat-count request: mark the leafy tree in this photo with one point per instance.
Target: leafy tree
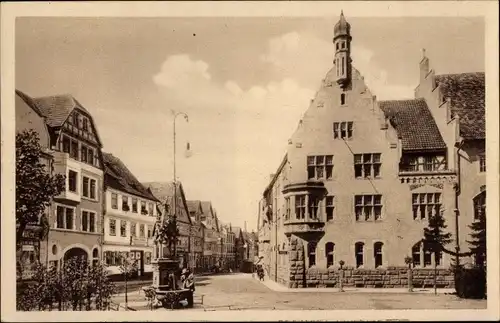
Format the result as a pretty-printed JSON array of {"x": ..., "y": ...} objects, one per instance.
[
  {"x": 478, "y": 244},
  {"x": 128, "y": 267},
  {"x": 77, "y": 284},
  {"x": 35, "y": 187},
  {"x": 435, "y": 238}
]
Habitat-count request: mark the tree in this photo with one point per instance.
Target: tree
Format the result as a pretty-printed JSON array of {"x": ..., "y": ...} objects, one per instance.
[
  {"x": 35, "y": 187},
  {"x": 478, "y": 244},
  {"x": 127, "y": 267},
  {"x": 435, "y": 238},
  {"x": 77, "y": 284}
]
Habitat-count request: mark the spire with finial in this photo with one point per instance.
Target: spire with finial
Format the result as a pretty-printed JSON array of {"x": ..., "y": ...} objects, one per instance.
[
  {"x": 342, "y": 42},
  {"x": 342, "y": 27}
]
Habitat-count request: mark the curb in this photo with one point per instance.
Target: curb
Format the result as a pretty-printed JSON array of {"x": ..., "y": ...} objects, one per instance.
[{"x": 272, "y": 285}]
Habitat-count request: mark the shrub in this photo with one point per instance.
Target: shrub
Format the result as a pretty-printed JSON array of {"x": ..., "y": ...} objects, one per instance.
[{"x": 470, "y": 282}]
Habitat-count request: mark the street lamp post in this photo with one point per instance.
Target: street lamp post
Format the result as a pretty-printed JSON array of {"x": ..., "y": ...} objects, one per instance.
[{"x": 176, "y": 114}]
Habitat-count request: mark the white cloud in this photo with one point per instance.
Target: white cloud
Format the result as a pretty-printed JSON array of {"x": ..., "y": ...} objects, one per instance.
[
  {"x": 308, "y": 58},
  {"x": 238, "y": 136}
]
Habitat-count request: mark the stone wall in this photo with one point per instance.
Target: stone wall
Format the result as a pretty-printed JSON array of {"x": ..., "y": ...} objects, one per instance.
[
  {"x": 297, "y": 274},
  {"x": 392, "y": 277}
]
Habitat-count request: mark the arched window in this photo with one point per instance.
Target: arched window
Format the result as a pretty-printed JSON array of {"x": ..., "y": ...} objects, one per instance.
[
  {"x": 311, "y": 253},
  {"x": 377, "y": 253},
  {"x": 338, "y": 46},
  {"x": 415, "y": 252},
  {"x": 330, "y": 254},
  {"x": 342, "y": 99},
  {"x": 358, "y": 252},
  {"x": 343, "y": 64}
]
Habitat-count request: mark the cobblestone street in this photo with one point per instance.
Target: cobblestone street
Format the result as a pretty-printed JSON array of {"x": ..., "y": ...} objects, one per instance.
[{"x": 241, "y": 291}]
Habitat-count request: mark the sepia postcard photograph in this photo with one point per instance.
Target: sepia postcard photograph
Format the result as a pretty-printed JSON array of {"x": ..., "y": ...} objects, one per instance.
[{"x": 249, "y": 161}]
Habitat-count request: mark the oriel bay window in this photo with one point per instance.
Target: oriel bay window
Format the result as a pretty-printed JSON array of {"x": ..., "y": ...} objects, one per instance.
[
  {"x": 320, "y": 167},
  {"x": 425, "y": 205},
  {"x": 300, "y": 207},
  {"x": 313, "y": 207},
  {"x": 367, "y": 165},
  {"x": 72, "y": 181},
  {"x": 287, "y": 208}
]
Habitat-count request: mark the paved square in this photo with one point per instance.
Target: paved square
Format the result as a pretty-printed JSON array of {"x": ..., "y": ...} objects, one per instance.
[{"x": 241, "y": 291}]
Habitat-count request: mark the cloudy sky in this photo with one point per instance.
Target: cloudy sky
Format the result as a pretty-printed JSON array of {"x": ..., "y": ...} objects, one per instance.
[{"x": 244, "y": 82}]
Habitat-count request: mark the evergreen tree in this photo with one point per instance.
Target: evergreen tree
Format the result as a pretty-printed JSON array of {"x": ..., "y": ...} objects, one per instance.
[
  {"x": 435, "y": 238},
  {"x": 478, "y": 244}
]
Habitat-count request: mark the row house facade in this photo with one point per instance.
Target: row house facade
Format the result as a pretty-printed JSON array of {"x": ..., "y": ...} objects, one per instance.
[
  {"x": 210, "y": 238},
  {"x": 172, "y": 199},
  {"x": 130, "y": 215},
  {"x": 361, "y": 177},
  {"x": 71, "y": 138},
  {"x": 197, "y": 234}
]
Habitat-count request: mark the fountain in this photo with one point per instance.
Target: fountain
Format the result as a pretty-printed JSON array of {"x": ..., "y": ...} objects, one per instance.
[{"x": 166, "y": 272}]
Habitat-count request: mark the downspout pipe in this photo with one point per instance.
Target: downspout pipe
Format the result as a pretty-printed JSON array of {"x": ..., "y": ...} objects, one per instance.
[{"x": 456, "y": 206}]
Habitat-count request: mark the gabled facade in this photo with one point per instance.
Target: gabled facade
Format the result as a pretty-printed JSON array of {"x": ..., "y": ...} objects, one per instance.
[
  {"x": 361, "y": 177},
  {"x": 197, "y": 234},
  {"x": 210, "y": 235},
  {"x": 130, "y": 216},
  {"x": 76, "y": 215},
  {"x": 173, "y": 198}
]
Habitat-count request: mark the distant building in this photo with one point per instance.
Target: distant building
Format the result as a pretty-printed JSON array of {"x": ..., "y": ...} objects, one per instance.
[
  {"x": 175, "y": 199},
  {"x": 75, "y": 217},
  {"x": 130, "y": 216},
  {"x": 210, "y": 248},
  {"x": 197, "y": 235},
  {"x": 361, "y": 177}
]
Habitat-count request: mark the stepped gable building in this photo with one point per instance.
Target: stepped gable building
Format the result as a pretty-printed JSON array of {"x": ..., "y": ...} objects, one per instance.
[
  {"x": 75, "y": 218},
  {"x": 361, "y": 177},
  {"x": 130, "y": 216}
]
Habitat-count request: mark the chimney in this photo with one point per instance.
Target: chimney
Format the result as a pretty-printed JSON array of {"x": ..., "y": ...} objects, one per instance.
[
  {"x": 245, "y": 226},
  {"x": 424, "y": 66}
]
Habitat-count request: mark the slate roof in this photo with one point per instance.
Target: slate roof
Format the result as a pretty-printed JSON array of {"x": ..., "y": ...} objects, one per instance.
[
  {"x": 57, "y": 108},
  {"x": 164, "y": 191},
  {"x": 414, "y": 124},
  {"x": 119, "y": 177},
  {"x": 467, "y": 94},
  {"x": 193, "y": 205},
  {"x": 206, "y": 206},
  {"x": 29, "y": 101}
]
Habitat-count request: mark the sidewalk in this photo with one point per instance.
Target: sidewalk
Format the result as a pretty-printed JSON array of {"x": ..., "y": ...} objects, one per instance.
[{"x": 272, "y": 285}]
